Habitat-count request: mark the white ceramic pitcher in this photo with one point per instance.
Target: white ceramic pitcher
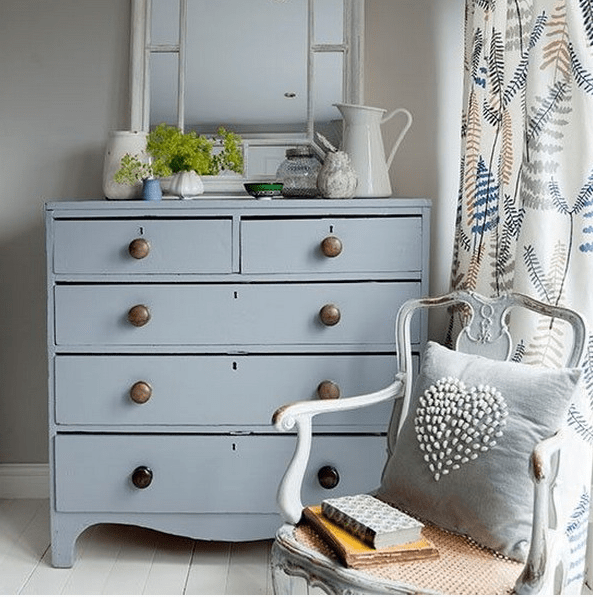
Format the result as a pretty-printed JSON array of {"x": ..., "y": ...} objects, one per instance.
[{"x": 363, "y": 142}]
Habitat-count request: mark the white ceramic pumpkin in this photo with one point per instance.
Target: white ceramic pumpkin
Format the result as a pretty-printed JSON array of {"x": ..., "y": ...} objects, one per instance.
[{"x": 186, "y": 184}]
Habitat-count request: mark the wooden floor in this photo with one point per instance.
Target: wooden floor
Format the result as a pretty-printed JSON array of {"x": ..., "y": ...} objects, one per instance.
[
  {"x": 126, "y": 560},
  {"x": 118, "y": 560}
]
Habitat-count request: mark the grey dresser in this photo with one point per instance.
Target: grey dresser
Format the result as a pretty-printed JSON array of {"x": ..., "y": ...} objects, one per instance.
[{"x": 177, "y": 328}]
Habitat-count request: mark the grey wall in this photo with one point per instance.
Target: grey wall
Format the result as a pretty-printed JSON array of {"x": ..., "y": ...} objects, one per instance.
[{"x": 63, "y": 86}]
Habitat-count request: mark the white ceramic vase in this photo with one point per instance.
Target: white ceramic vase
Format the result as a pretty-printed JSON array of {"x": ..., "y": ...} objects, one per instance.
[
  {"x": 186, "y": 184},
  {"x": 363, "y": 142},
  {"x": 118, "y": 144}
]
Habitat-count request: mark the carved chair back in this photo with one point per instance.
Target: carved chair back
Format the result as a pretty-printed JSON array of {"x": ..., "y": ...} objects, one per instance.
[{"x": 485, "y": 329}]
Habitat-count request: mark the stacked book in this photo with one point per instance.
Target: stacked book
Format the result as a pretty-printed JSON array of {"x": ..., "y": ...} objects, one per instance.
[{"x": 365, "y": 531}]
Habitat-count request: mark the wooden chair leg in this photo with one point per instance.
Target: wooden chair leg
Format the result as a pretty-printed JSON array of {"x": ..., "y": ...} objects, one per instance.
[{"x": 283, "y": 583}]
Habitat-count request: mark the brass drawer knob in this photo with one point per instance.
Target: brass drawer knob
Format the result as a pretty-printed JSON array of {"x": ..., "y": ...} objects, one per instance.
[
  {"x": 141, "y": 392},
  {"x": 142, "y": 477},
  {"x": 139, "y": 315},
  {"x": 139, "y": 248},
  {"x": 329, "y": 314},
  {"x": 328, "y": 390},
  {"x": 328, "y": 477},
  {"x": 331, "y": 246}
]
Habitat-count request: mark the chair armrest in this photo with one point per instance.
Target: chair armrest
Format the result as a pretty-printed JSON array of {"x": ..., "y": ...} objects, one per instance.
[
  {"x": 300, "y": 415},
  {"x": 538, "y": 574}
]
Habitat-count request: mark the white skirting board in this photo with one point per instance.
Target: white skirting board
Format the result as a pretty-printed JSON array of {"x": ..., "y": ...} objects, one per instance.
[{"x": 28, "y": 481}]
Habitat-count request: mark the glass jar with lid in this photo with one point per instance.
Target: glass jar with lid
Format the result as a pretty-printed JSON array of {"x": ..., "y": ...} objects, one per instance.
[{"x": 298, "y": 172}]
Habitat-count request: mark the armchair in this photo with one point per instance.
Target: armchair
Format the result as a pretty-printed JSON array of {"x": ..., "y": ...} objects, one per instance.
[{"x": 494, "y": 456}]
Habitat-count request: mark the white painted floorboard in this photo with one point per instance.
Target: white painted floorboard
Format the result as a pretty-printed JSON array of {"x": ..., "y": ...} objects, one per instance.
[{"x": 124, "y": 560}]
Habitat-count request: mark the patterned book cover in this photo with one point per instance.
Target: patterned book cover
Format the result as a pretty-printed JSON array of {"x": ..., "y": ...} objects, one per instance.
[
  {"x": 376, "y": 523},
  {"x": 356, "y": 553}
]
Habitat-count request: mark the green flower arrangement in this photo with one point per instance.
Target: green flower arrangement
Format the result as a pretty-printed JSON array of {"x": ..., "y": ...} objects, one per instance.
[
  {"x": 133, "y": 170},
  {"x": 172, "y": 151}
]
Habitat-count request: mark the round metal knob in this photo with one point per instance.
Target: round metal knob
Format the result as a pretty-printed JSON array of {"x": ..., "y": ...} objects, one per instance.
[
  {"x": 329, "y": 315},
  {"x": 328, "y": 477},
  {"x": 139, "y": 248},
  {"x": 141, "y": 392},
  {"x": 142, "y": 477},
  {"x": 331, "y": 246},
  {"x": 328, "y": 390},
  {"x": 139, "y": 315}
]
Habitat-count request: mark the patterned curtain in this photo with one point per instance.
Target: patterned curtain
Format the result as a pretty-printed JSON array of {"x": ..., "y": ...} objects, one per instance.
[{"x": 525, "y": 210}]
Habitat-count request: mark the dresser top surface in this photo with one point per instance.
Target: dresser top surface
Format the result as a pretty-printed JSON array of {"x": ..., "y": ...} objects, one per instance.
[{"x": 233, "y": 203}]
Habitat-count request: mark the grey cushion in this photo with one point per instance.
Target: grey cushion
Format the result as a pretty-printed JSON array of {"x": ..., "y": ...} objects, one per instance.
[{"x": 461, "y": 460}]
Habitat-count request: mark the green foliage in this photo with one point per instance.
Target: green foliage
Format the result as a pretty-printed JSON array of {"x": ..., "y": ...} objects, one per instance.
[
  {"x": 170, "y": 151},
  {"x": 133, "y": 170},
  {"x": 231, "y": 157},
  {"x": 174, "y": 151}
]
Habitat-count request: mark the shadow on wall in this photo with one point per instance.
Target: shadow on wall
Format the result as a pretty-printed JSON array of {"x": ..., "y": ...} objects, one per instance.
[
  {"x": 401, "y": 72},
  {"x": 23, "y": 367},
  {"x": 414, "y": 59}
]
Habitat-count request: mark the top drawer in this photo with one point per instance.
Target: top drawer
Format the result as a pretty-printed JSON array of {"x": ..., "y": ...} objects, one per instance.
[
  {"x": 175, "y": 246},
  {"x": 363, "y": 245}
]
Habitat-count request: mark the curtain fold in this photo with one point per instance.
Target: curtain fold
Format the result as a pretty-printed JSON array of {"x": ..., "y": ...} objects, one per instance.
[{"x": 525, "y": 206}]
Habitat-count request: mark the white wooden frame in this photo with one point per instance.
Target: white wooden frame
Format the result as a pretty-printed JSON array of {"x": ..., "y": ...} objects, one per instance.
[{"x": 142, "y": 48}]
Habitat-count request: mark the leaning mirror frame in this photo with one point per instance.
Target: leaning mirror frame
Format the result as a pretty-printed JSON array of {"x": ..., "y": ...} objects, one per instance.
[{"x": 142, "y": 49}]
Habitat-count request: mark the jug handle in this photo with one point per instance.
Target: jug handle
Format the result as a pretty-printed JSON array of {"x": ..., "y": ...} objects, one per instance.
[{"x": 401, "y": 135}]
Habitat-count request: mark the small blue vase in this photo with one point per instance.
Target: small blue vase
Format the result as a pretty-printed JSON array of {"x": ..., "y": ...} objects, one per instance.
[{"x": 151, "y": 189}]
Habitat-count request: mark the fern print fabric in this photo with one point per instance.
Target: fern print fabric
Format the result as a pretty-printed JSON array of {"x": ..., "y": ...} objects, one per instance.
[{"x": 525, "y": 207}]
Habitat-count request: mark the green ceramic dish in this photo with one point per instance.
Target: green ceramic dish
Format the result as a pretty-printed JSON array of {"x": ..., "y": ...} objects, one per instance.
[{"x": 263, "y": 189}]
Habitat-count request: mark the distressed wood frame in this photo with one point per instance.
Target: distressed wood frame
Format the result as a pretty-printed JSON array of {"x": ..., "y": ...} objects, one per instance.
[{"x": 141, "y": 48}]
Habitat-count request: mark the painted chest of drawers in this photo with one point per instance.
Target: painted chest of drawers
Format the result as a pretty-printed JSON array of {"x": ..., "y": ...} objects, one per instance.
[{"x": 177, "y": 328}]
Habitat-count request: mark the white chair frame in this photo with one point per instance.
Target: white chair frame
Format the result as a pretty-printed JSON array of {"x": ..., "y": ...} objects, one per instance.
[{"x": 486, "y": 333}]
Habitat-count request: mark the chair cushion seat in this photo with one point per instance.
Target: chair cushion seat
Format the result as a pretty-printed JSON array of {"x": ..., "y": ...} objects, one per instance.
[{"x": 463, "y": 567}]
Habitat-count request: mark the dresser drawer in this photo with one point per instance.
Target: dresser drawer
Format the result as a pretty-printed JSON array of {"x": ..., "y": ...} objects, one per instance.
[
  {"x": 221, "y": 314},
  {"x": 207, "y": 474},
  {"x": 210, "y": 390},
  {"x": 380, "y": 244},
  {"x": 173, "y": 246}
]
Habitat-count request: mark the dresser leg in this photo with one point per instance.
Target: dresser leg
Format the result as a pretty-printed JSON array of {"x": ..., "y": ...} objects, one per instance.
[
  {"x": 63, "y": 545},
  {"x": 62, "y": 556}
]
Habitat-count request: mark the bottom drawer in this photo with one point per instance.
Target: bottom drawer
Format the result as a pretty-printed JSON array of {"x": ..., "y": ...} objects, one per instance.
[{"x": 202, "y": 473}]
